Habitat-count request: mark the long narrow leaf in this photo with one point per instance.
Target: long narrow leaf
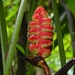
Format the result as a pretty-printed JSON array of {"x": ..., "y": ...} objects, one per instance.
[
  {"x": 30, "y": 12},
  {"x": 15, "y": 37},
  {"x": 59, "y": 33},
  {"x": 3, "y": 33}
]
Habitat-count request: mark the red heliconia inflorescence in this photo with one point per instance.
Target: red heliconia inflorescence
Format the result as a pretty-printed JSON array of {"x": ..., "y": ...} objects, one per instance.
[{"x": 40, "y": 33}]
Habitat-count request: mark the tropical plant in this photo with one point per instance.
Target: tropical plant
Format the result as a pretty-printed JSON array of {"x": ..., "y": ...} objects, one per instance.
[{"x": 14, "y": 18}]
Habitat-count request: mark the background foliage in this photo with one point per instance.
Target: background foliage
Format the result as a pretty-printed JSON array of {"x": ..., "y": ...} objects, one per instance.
[{"x": 11, "y": 8}]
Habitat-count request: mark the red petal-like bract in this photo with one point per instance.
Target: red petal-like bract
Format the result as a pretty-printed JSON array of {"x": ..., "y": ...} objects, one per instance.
[{"x": 40, "y": 33}]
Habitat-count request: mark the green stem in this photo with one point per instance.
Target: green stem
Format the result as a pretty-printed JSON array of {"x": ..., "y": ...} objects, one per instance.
[
  {"x": 30, "y": 12},
  {"x": 3, "y": 33},
  {"x": 32, "y": 7},
  {"x": 59, "y": 33},
  {"x": 15, "y": 37}
]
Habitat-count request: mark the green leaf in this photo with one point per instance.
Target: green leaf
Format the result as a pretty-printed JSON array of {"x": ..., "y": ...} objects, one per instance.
[
  {"x": 71, "y": 6},
  {"x": 3, "y": 32},
  {"x": 59, "y": 33},
  {"x": 20, "y": 49}
]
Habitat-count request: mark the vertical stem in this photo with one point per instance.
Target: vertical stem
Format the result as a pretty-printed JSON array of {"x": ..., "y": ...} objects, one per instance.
[
  {"x": 70, "y": 26},
  {"x": 3, "y": 33},
  {"x": 59, "y": 33},
  {"x": 30, "y": 12},
  {"x": 32, "y": 7},
  {"x": 15, "y": 37}
]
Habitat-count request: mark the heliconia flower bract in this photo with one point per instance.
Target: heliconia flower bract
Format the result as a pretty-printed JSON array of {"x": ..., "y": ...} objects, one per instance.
[{"x": 40, "y": 33}]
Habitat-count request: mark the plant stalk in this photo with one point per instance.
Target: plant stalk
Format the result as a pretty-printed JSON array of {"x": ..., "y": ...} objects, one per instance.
[
  {"x": 59, "y": 33},
  {"x": 32, "y": 7},
  {"x": 15, "y": 37},
  {"x": 3, "y": 32}
]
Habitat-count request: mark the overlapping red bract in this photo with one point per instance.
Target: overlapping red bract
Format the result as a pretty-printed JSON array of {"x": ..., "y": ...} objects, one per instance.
[{"x": 40, "y": 33}]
